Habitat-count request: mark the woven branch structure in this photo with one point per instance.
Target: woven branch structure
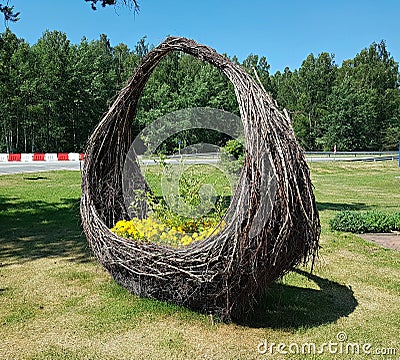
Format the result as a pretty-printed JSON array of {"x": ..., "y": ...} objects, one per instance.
[{"x": 272, "y": 223}]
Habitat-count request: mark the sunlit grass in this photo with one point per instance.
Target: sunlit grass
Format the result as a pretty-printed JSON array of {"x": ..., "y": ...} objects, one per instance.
[{"x": 57, "y": 303}]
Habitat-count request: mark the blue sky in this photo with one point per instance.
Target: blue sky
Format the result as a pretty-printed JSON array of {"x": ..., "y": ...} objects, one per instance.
[{"x": 283, "y": 31}]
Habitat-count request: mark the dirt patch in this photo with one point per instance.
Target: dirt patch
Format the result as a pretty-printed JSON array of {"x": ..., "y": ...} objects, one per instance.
[{"x": 388, "y": 240}]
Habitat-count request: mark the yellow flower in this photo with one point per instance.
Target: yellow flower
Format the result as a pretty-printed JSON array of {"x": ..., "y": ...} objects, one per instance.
[
  {"x": 153, "y": 230},
  {"x": 180, "y": 229},
  {"x": 172, "y": 232},
  {"x": 186, "y": 240},
  {"x": 120, "y": 223}
]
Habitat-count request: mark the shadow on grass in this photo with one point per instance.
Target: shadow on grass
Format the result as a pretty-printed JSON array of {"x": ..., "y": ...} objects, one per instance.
[
  {"x": 341, "y": 206},
  {"x": 34, "y": 178},
  {"x": 35, "y": 229},
  {"x": 291, "y": 307}
]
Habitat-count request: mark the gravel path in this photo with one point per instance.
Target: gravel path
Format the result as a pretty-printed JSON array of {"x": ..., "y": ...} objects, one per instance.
[{"x": 388, "y": 240}]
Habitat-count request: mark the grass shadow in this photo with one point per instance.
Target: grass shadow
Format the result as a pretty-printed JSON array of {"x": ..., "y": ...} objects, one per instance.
[
  {"x": 341, "y": 206},
  {"x": 35, "y": 178},
  {"x": 35, "y": 229},
  {"x": 291, "y": 307}
]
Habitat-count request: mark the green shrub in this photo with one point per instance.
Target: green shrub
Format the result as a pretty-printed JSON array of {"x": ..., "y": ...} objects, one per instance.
[
  {"x": 347, "y": 220},
  {"x": 235, "y": 148},
  {"x": 232, "y": 156},
  {"x": 366, "y": 221},
  {"x": 396, "y": 221},
  {"x": 378, "y": 221}
]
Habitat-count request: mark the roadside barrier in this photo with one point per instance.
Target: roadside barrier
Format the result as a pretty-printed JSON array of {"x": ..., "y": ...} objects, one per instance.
[
  {"x": 26, "y": 157},
  {"x": 62, "y": 156},
  {"x": 14, "y": 157},
  {"x": 50, "y": 157},
  {"x": 38, "y": 157},
  {"x": 73, "y": 157},
  {"x": 3, "y": 157}
]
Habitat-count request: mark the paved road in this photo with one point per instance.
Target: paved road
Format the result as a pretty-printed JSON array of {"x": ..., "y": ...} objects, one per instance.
[
  {"x": 351, "y": 158},
  {"x": 37, "y": 166}
]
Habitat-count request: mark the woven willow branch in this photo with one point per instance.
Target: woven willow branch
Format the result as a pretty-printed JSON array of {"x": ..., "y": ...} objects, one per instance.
[{"x": 226, "y": 273}]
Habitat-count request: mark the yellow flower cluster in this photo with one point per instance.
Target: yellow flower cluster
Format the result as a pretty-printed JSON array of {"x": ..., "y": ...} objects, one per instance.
[{"x": 152, "y": 230}]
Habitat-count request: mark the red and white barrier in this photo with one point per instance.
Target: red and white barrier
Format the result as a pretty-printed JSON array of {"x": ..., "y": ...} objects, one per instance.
[
  {"x": 38, "y": 157},
  {"x": 62, "y": 156},
  {"x": 3, "y": 157},
  {"x": 26, "y": 157},
  {"x": 73, "y": 157},
  {"x": 14, "y": 157},
  {"x": 50, "y": 157},
  {"x": 29, "y": 157}
]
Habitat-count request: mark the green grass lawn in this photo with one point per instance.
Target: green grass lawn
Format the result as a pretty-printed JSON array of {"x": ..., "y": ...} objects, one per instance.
[{"x": 57, "y": 303}]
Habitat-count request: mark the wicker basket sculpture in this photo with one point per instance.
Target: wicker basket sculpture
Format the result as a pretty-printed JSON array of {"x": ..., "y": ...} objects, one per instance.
[{"x": 264, "y": 236}]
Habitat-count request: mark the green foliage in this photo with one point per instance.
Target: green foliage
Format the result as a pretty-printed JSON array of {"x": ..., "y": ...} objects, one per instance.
[
  {"x": 304, "y": 93},
  {"x": 232, "y": 156},
  {"x": 9, "y": 13},
  {"x": 259, "y": 65},
  {"x": 347, "y": 220},
  {"x": 190, "y": 222},
  {"x": 190, "y": 215},
  {"x": 355, "y": 106},
  {"x": 104, "y": 3},
  {"x": 53, "y": 93},
  {"x": 203, "y": 190},
  {"x": 363, "y": 108},
  {"x": 181, "y": 81},
  {"x": 235, "y": 148},
  {"x": 364, "y": 222},
  {"x": 350, "y": 109}
]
